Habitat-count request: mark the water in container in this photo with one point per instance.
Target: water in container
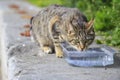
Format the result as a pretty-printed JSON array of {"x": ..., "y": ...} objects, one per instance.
[{"x": 100, "y": 56}]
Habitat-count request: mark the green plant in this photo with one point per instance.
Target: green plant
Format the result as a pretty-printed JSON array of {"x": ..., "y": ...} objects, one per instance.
[
  {"x": 104, "y": 19},
  {"x": 44, "y": 3},
  {"x": 113, "y": 38}
]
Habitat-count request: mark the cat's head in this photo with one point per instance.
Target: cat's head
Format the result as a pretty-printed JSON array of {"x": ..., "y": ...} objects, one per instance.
[{"x": 80, "y": 34}]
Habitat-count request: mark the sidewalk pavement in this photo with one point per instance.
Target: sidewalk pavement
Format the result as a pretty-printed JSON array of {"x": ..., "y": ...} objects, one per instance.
[{"x": 22, "y": 59}]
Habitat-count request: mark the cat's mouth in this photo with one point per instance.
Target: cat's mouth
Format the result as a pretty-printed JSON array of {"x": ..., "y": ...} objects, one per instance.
[{"x": 79, "y": 47}]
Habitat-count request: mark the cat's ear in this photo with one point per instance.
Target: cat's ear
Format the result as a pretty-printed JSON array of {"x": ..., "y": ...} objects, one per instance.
[{"x": 89, "y": 24}]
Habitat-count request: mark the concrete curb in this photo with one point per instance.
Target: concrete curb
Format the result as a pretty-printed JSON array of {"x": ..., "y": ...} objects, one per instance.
[
  {"x": 3, "y": 48},
  {"x": 9, "y": 38}
]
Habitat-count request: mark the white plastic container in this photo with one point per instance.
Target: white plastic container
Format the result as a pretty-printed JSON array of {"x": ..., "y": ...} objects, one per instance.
[{"x": 101, "y": 56}]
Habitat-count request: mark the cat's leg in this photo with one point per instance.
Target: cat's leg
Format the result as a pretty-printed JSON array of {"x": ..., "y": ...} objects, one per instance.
[
  {"x": 57, "y": 47},
  {"x": 45, "y": 45},
  {"x": 47, "y": 49},
  {"x": 58, "y": 51},
  {"x": 57, "y": 42},
  {"x": 55, "y": 32}
]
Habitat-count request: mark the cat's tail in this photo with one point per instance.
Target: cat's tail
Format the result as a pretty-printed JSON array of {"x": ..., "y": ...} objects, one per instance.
[
  {"x": 31, "y": 22},
  {"x": 33, "y": 38}
]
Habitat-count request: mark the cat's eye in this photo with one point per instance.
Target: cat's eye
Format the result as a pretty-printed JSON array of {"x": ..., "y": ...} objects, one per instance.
[
  {"x": 89, "y": 37},
  {"x": 76, "y": 41}
]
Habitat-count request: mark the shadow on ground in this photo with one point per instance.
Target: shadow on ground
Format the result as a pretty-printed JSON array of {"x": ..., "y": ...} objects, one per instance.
[{"x": 116, "y": 61}]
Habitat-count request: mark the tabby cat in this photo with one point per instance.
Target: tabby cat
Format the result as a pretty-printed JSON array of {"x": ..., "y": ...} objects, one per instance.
[{"x": 56, "y": 24}]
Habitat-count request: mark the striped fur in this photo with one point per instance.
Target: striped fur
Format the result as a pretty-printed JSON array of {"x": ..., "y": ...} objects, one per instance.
[{"x": 55, "y": 24}]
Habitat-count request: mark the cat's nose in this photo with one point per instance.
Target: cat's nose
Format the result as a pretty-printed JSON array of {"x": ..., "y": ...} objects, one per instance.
[{"x": 81, "y": 47}]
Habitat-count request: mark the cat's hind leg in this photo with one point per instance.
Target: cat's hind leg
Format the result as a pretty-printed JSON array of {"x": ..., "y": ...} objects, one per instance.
[
  {"x": 47, "y": 49},
  {"x": 45, "y": 45}
]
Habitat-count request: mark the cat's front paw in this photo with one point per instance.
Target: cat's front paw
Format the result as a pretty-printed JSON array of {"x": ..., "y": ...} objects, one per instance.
[
  {"x": 47, "y": 50},
  {"x": 59, "y": 54}
]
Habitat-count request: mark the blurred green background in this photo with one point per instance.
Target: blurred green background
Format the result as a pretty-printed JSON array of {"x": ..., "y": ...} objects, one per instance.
[{"x": 106, "y": 13}]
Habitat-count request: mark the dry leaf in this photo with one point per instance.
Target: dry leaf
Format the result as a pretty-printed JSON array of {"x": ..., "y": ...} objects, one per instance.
[
  {"x": 14, "y": 6},
  {"x": 26, "y": 33}
]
